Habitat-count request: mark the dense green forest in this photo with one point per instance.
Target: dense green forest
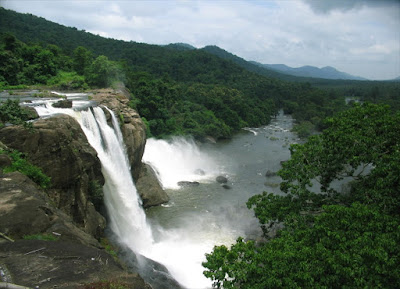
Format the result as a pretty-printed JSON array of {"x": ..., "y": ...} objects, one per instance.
[
  {"x": 176, "y": 88},
  {"x": 331, "y": 238}
]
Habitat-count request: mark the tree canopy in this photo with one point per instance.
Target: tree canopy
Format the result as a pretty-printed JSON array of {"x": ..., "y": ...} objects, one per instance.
[{"x": 331, "y": 238}]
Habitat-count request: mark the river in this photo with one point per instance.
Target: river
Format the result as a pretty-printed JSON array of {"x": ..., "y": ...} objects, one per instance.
[{"x": 200, "y": 216}]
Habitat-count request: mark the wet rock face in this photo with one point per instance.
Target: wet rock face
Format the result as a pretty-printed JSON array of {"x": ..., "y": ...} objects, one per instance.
[
  {"x": 59, "y": 147},
  {"x": 149, "y": 188}
]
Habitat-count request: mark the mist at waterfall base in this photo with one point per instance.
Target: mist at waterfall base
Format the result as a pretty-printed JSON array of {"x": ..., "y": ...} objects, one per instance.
[
  {"x": 199, "y": 217},
  {"x": 180, "y": 233}
]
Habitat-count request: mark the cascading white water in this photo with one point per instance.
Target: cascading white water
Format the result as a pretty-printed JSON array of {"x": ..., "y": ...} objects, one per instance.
[
  {"x": 179, "y": 160},
  {"x": 128, "y": 220},
  {"x": 182, "y": 255}
]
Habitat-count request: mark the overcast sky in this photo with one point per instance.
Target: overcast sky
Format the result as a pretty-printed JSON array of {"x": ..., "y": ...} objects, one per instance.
[{"x": 360, "y": 37}]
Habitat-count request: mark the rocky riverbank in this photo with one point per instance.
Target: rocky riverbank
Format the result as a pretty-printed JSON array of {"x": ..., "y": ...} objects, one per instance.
[{"x": 65, "y": 210}]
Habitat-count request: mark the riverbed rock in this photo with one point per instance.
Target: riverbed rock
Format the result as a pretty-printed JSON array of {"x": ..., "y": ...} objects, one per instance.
[
  {"x": 65, "y": 103},
  {"x": 59, "y": 147},
  {"x": 200, "y": 172},
  {"x": 149, "y": 188},
  {"x": 185, "y": 184},
  {"x": 221, "y": 179},
  {"x": 270, "y": 173}
]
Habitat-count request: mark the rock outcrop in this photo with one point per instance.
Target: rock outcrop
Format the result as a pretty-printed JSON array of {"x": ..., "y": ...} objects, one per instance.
[
  {"x": 59, "y": 147},
  {"x": 149, "y": 188},
  {"x": 26, "y": 210},
  {"x": 67, "y": 265}
]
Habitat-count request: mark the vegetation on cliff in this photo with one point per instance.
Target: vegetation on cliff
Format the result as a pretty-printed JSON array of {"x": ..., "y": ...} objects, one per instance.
[
  {"x": 330, "y": 238},
  {"x": 21, "y": 164}
]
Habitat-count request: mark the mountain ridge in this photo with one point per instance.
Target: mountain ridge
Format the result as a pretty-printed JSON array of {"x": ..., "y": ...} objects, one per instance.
[{"x": 327, "y": 72}]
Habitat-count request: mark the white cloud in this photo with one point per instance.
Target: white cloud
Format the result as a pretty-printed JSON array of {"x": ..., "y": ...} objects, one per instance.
[{"x": 358, "y": 37}]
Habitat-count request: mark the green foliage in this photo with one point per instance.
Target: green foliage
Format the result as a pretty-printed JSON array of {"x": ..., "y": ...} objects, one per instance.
[
  {"x": 82, "y": 59},
  {"x": 68, "y": 81},
  {"x": 347, "y": 247},
  {"x": 102, "y": 72},
  {"x": 330, "y": 239},
  {"x": 12, "y": 112},
  {"x": 43, "y": 237},
  {"x": 304, "y": 129},
  {"x": 22, "y": 165},
  {"x": 110, "y": 249}
]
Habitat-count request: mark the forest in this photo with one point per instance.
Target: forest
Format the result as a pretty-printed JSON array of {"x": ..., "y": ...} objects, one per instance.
[
  {"x": 329, "y": 239},
  {"x": 175, "y": 88}
]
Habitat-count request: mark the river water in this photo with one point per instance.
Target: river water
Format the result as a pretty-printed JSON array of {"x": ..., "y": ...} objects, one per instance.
[{"x": 200, "y": 216}]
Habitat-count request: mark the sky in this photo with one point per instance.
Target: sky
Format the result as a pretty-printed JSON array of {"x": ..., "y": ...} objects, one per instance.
[{"x": 360, "y": 37}]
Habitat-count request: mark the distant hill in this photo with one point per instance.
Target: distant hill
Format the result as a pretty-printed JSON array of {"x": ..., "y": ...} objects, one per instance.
[
  {"x": 180, "y": 46},
  {"x": 327, "y": 72}
]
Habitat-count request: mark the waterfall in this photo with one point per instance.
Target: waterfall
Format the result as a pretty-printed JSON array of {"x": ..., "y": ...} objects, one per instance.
[
  {"x": 127, "y": 217},
  {"x": 181, "y": 255}
]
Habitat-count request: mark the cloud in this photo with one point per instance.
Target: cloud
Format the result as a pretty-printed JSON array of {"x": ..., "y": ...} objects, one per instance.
[{"x": 327, "y": 6}]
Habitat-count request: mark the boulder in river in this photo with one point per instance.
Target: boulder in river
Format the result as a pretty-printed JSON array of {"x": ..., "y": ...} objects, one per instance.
[
  {"x": 270, "y": 174},
  {"x": 65, "y": 103},
  {"x": 200, "y": 172},
  {"x": 221, "y": 179},
  {"x": 149, "y": 188},
  {"x": 188, "y": 184}
]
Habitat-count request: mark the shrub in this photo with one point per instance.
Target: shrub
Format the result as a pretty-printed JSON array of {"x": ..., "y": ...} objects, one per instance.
[{"x": 20, "y": 164}]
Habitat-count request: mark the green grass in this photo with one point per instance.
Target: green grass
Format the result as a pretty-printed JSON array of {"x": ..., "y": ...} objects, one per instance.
[{"x": 109, "y": 247}]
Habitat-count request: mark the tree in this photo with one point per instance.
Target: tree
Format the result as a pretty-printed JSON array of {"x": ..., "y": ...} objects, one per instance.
[
  {"x": 102, "y": 72},
  {"x": 330, "y": 239},
  {"x": 82, "y": 59},
  {"x": 347, "y": 247}
]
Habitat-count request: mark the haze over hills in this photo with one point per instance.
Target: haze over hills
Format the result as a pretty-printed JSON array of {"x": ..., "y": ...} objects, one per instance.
[{"x": 326, "y": 72}]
